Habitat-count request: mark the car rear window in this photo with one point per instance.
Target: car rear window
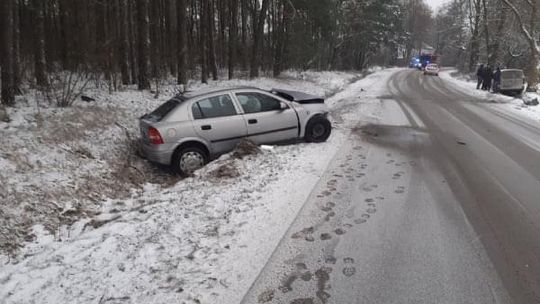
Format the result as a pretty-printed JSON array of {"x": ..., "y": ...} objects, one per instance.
[
  {"x": 158, "y": 114},
  {"x": 512, "y": 74}
]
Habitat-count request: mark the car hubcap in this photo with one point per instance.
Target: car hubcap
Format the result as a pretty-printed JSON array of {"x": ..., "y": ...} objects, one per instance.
[
  {"x": 318, "y": 130},
  {"x": 191, "y": 161}
]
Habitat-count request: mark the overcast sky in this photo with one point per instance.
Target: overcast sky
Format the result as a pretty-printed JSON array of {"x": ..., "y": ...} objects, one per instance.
[{"x": 436, "y": 4}]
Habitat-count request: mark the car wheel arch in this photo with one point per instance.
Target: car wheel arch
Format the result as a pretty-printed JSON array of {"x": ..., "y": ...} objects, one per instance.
[
  {"x": 307, "y": 120},
  {"x": 313, "y": 118},
  {"x": 190, "y": 144}
]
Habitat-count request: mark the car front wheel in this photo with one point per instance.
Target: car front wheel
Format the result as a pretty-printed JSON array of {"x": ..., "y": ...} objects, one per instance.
[
  {"x": 318, "y": 130},
  {"x": 188, "y": 160}
]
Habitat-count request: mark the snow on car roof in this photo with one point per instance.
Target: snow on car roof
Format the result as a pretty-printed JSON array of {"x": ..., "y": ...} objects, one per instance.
[{"x": 189, "y": 95}]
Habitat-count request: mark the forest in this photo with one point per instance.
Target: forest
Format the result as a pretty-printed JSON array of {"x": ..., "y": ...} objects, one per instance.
[
  {"x": 503, "y": 33},
  {"x": 59, "y": 47}
]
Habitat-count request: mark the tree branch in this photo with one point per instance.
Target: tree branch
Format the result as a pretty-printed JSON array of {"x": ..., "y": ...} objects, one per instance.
[{"x": 524, "y": 30}]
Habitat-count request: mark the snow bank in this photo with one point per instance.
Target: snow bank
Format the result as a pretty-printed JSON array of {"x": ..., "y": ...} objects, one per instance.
[
  {"x": 508, "y": 104},
  {"x": 176, "y": 243}
]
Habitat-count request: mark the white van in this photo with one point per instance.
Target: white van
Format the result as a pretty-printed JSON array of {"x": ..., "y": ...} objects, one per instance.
[{"x": 512, "y": 81}]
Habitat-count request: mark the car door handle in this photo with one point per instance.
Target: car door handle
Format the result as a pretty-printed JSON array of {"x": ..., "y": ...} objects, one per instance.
[
  {"x": 252, "y": 121},
  {"x": 206, "y": 128}
]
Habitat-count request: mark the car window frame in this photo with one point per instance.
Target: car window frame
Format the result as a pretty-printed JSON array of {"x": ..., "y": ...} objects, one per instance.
[
  {"x": 281, "y": 101},
  {"x": 202, "y": 98}
]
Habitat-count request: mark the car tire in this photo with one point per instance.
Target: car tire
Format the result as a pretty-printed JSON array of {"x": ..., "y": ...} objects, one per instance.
[
  {"x": 188, "y": 160},
  {"x": 318, "y": 130}
]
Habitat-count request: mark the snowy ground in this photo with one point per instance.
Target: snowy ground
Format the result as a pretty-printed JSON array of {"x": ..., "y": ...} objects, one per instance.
[
  {"x": 507, "y": 104},
  {"x": 107, "y": 227}
]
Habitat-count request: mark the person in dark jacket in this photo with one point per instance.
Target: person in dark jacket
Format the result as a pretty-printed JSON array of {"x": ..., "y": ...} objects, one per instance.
[
  {"x": 480, "y": 76},
  {"x": 497, "y": 80},
  {"x": 488, "y": 76}
]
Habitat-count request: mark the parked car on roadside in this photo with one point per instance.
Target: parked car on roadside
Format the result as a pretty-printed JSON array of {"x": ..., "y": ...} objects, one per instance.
[
  {"x": 512, "y": 82},
  {"x": 432, "y": 69},
  {"x": 188, "y": 131}
]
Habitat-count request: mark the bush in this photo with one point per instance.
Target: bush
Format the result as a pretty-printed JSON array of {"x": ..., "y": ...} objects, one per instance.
[{"x": 63, "y": 88}]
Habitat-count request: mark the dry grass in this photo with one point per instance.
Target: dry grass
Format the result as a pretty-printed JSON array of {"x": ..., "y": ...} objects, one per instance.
[{"x": 87, "y": 173}]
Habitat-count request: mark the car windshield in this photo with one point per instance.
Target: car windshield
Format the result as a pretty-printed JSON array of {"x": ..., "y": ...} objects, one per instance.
[{"x": 159, "y": 114}]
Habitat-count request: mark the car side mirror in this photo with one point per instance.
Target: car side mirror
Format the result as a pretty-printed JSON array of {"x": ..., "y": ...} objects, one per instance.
[{"x": 284, "y": 106}]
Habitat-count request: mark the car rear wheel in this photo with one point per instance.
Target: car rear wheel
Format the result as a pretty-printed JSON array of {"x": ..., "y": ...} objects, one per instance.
[
  {"x": 188, "y": 160},
  {"x": 318, "y": 129}
]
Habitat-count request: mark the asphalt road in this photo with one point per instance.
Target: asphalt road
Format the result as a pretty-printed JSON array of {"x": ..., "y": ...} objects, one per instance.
[{"x": 438, "y": 202}]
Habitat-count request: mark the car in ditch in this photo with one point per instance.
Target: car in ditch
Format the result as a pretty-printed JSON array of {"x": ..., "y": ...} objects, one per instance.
[
  {"x": 189, "y": 130},
  {"x": 432, "y": 69},
  {"x": 512, "y": 82}
]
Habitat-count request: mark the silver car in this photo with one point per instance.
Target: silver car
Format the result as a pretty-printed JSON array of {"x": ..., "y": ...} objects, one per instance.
[{"x": 188, "y": 131}]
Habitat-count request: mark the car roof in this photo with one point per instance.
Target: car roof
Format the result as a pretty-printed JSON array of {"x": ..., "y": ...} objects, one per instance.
[{"x": 189, "y": 95}]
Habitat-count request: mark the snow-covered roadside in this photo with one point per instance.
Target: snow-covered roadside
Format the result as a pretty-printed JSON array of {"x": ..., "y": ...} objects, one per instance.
[
  {"x": 202, "y": 240},
  {"x": 502, "y": 102},
  {"x": 58, "y": 165}
]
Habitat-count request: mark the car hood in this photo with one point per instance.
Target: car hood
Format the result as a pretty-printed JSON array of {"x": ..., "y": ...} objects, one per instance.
[{"x": 296, "y": 96}]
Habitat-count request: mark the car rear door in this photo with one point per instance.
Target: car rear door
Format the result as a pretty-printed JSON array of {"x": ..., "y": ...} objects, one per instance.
[
  {"x": 218, "y": 121},
  {"x": 268, "y": 118},
  {"x": 512, "y": 80}
]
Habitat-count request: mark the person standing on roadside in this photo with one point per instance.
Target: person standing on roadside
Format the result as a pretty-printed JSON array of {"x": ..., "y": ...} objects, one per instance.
[
  {"x": 497, "y": 80},
  {"x": 479, "y": 75},
  {"x": 488, "y": 76}
]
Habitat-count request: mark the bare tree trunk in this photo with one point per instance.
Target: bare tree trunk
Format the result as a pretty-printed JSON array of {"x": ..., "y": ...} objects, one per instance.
[
  {"x": 222, "y": 17},
  {"x": 257, "y": 38},
  {"x": 143, "y": 43},
  {"x": 496, "y": 48},
  {"x": 282, "y": 38},
  {"x": 124, "y": 41},
  {"x": 244, "y": 47},
  {"x": 233, "y": 33},
  {"x": 16, "y": 49},
  {"x": 182, "y": 42},
  {"x": 203, "y": 33},
  {"x": 473, "y": 59},
  {"x": 211, "y": 44},
  {"x": 154, "y": 40},
  {"x": 62, "y": 26},
  {"x": 8, "y": 81},
  {"x": 193, "y": 37},
  {"x": 486, "y": 33},
  {"x": 172, "y": 36},
  {"x": 39, "y": 43},
  {"x": 132, "y": 43}
]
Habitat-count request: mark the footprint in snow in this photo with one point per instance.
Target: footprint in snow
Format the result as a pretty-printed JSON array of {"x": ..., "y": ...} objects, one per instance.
[{"x": 349, "y": 270}]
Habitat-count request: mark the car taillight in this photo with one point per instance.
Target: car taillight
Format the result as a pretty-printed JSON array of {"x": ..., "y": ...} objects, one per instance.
[{"x": 154, "y": 136}]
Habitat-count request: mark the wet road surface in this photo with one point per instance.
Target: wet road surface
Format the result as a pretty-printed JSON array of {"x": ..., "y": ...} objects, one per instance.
[{"x": 437, "y": 202}]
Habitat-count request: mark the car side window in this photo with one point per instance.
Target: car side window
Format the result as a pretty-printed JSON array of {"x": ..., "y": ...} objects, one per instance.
[
  {"x": 218, "y": 106},
  {"x": 257, "y": 102}
]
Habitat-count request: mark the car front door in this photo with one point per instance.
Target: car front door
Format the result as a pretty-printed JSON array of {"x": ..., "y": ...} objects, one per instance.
[
  {"x": 268, "y": 119},
  {"x": 217, "y": 120}
]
